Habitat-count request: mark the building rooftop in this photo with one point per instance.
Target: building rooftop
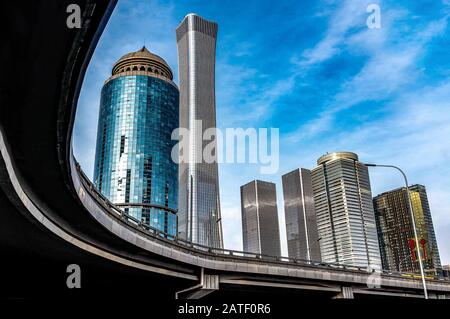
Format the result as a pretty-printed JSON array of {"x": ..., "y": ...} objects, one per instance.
[
  {"x": 336, "y": 155},
  {"x": 143, "y": 60}
]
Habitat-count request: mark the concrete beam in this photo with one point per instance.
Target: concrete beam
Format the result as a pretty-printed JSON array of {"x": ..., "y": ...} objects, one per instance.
[
  {"x": 208, "y": 284},
  {"x": 346, "y": 293}
]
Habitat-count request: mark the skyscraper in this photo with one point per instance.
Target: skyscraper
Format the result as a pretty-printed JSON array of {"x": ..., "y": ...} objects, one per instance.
[
  {"x": 260, "y": 229},
  {"x": 199, "y": 218},
  {"x": 344, "y": 210},
  {"x": 446, "y": 271},
  {"x": 133, "y": 166},
  {"x": 300, "y": 213},
  {"x": 395, "y": 230}
]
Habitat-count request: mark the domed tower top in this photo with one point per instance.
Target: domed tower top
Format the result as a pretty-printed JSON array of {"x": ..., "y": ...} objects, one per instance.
[{"x": 143, "y": 61}]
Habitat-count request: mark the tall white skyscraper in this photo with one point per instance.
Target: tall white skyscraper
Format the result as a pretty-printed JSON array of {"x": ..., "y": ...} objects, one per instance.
[
  {"x": 344, "y": 211},
  {"x": 199, "y": 218}
]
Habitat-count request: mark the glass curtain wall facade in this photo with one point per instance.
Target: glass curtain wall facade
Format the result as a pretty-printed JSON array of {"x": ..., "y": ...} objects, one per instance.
[
  {"x": 260, "y": 228},
  {"x": 199, "y": 218},
  {"x": 133, "y": 165},
  {"x": 300, "y": 213},
  {"x": 344, "y": 210},
  {"x": 396, "y": 234}
]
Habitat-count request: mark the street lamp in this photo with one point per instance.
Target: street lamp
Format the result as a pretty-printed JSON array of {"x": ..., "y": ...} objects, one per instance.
[{"x": 413, "y": 223}]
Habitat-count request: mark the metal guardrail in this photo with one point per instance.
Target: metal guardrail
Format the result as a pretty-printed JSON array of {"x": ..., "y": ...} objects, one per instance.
[{"x": 174, "y": 241}]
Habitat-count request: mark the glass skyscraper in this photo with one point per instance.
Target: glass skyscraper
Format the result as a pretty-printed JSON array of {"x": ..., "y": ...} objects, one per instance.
[
  {"x": 260, "y": 228},
  {"x": 199, "y": 218},
  {"x": 396, "y": 235},
  {"x": 344, "y": 211},
  {"x": 139, "y": 109},
  {"x": 300, "y": 213}
]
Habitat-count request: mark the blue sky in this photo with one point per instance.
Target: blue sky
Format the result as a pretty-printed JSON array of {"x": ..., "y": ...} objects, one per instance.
[{"x": 314, "y": 70}]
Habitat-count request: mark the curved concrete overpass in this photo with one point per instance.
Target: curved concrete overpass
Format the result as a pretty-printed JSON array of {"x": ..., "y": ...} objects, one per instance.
[{"x": 51, "y": 215}]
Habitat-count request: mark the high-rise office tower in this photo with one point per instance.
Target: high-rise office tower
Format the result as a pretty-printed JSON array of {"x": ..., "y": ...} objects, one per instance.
[
  {"x": 344, "y": 210},
  {"x": 446, "y": 271},
  {"x": 396, "y": 234},
  {"x": 260, "y": 229},
  {"x": 300, "y": 213},
  {"x": 199, "y": 218},
  {"x": 133, "y": 165}
]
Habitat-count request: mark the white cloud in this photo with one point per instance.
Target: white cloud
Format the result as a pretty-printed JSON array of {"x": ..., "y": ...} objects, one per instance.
[
  {"x": 350, "y": 14},
  {"x": 388, "y": 70},
  {"x": 242, "y": 99}
]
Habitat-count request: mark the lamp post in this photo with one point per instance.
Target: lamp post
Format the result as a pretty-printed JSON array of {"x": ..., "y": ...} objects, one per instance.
[{"x": 422, "y": 273}]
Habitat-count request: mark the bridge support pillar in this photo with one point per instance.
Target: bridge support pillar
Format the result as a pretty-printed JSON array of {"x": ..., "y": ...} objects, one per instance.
[
  {"x": 346, "y": 293},
  {"x": 208, "y": 284}
]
